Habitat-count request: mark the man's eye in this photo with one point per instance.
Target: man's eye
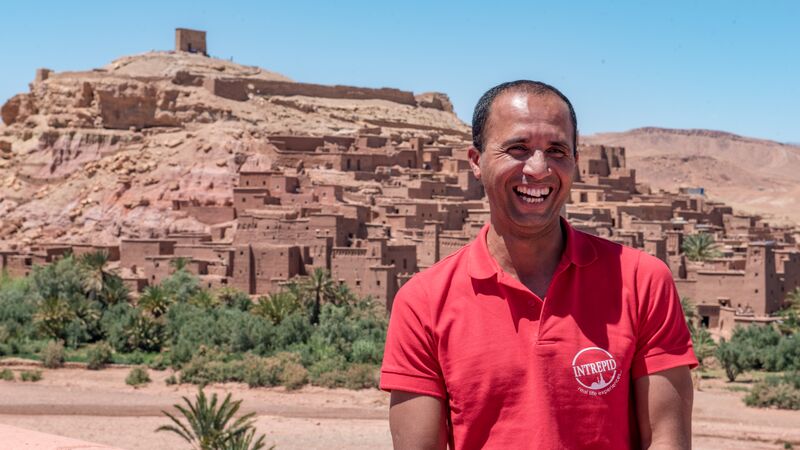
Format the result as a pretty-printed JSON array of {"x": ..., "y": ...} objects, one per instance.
[
  {"x": 517, "y": 150},
  {"x": 556, "y": 151}
]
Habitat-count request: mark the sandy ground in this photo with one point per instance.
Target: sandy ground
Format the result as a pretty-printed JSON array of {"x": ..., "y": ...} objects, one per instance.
[{"x": 98, "y": 406}]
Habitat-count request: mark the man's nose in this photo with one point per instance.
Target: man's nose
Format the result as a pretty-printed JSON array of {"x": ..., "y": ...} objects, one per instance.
[{"x": 536, "y": 165}]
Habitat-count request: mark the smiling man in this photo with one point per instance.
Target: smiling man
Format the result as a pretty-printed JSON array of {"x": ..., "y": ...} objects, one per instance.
[{"x": 536, "y": 335}]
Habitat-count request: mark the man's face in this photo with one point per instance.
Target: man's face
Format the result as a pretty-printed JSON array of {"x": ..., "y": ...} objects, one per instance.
[{"x": 528, "y": 165}]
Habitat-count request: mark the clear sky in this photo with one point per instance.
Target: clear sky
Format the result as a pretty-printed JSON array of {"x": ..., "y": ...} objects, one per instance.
[{"x": 723, "y": 65}]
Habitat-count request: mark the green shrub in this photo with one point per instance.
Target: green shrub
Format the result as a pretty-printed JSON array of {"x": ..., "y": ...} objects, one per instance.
[
  {"x": 6, "y": 375},
  {"x": 98, "y": 355},
  {"x": 354, "y": 376},
  {"x": 53, "y": 355},
  {"x": 138, "y": 376},
  {"x": 732, "y": 357},
  {"x": 30, "y": 375},
  {"x": 171, "y": 380},
  {"x": 160, "y": 362},
  {"x": 779, "y": 392}
]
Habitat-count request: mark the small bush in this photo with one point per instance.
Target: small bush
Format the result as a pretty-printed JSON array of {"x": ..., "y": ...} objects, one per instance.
[
  {"x": 353, "y": 376},
  {"x": 30, "y": 375},
  {"x": 98, "y": 356},
  {"x": 171, "y": 380},
  {"x": 779, "y": 392},
  {"x": 53, "y": 355},
  {"x": 6, "y": 375},
  {"x": 160, "y": 362},
  {"x": 138, "y": 376}
]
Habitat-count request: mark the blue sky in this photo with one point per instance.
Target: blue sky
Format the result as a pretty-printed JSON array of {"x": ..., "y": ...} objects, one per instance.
[{"x": 723, "y": 65}]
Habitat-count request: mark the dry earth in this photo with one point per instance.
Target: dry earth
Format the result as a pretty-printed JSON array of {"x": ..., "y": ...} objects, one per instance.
[
  {"x": 752, "y": 175},
  {"x": 98, "y": 406}
]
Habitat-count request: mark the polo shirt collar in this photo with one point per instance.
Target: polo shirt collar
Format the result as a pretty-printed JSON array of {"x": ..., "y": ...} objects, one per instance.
[{"x": 579, "y": 250}]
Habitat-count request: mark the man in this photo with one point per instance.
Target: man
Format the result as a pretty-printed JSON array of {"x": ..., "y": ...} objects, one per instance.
[{"x": 536, "y": 335}]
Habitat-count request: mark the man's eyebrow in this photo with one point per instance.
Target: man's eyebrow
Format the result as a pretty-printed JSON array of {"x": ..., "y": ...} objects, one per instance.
[
  {"x": 522, "y": 140},
  {"x": 514, "y": 140}
]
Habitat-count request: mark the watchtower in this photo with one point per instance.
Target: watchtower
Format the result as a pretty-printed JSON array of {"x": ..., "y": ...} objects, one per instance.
[{"x": 192, "y": 41}]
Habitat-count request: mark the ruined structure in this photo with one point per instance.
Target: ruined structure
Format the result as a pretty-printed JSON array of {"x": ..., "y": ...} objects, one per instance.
[{"x": 192, "y": 41}]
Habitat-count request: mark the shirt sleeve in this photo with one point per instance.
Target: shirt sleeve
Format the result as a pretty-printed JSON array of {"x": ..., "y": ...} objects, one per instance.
[
  {"x": 663, "y": 340},
  {"x": 409, "y": 359}
]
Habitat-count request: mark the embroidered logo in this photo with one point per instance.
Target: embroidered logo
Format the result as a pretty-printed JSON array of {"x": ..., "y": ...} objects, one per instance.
[{"x": 596, "y": 371}]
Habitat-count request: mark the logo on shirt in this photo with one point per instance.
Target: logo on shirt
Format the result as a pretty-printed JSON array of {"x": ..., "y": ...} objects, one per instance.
[{"x": 595, "y": 370}]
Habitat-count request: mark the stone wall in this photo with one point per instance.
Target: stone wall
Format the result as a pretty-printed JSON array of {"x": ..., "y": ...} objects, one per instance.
[{"x": 242, "y": 88}]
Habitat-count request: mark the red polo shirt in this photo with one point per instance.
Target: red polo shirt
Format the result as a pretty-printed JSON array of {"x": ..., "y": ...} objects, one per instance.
[{"x": 521, "y": 372}]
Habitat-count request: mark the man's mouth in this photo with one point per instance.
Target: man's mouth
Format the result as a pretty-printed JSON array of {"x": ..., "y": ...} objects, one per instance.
[{"x": 532, "y": 194}]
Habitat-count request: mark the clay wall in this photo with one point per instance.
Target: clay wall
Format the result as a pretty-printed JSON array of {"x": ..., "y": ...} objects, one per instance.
[
  {"x": 245, "y": 198},
  {"x": 157, "y": 268},
  {"x": 134, "y": 251},
  {"x": 241, "y": 88},
  {"x": 657, "y": 248},
  {"x": 192, "y": 41},
  {"x": 787, "y": 264},
  {"x": 402, "y": 257},
  {"x": 305, "y": 199},
  {"x": 243, "y": 273},
  {"x": 254, "y": 179},
  {"x": 275, "y": 263},
  {"x": 737, "y": 225},
  {"x": 18, "y": 266},
  {"x": 328, "y": 194}
]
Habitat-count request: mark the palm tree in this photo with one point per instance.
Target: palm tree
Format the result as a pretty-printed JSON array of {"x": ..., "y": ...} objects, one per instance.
[
  {"x": 114, "y": 290},
  {"x": 53, "y": 314},
  {"x": 209, "y": 425},
  {"x": 179, "y": 263},
  {"x": 792, "y": 301},
  {"x": 700, "y": 247},
  {"x": 277, "y": 306},
  {"x": 320, "y": 286},
  {"x": 154, "y": 301},
  {"x": 204, "y": 299}
]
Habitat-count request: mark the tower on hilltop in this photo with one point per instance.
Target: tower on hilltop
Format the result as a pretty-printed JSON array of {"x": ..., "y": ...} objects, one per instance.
[{"x": 192, "y": 41}]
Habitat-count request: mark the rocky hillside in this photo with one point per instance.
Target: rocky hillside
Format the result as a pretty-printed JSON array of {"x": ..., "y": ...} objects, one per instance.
[
  {"x": 95, "y": 155},
  {"x": 752, "y": 175}
]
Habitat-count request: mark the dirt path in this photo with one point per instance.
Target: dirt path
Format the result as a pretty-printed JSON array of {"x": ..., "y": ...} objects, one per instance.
[{"x": 98, "y": 406}]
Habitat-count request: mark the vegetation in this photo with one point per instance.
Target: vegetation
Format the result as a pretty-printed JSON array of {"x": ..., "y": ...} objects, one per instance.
[
  {"x": 53, "y": 355},
  {"x": 6, "y": 375},
  {"x": 210, "y": 425},
  {"x": 314, "y": 330},
  {"x": 779, "y": 392},
  {"x": 704, "y": 346},
  {"x": 98, "y": 355},
  {"x": 30, "y": 375},
  {"x": 138, "y": 376},
  {"x": 700, "y": 247}
]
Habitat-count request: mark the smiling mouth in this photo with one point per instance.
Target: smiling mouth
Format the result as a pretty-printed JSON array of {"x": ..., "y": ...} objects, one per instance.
[{"x": 531, "y": 194}]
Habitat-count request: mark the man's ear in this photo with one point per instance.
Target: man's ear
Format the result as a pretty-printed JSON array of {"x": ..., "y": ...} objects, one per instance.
[{"x": 475, "y": 161}]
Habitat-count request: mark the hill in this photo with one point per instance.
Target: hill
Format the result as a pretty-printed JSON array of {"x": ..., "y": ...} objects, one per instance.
[
  {"x": 94, "y": 155},
  {"x": 752, "y": 175}
]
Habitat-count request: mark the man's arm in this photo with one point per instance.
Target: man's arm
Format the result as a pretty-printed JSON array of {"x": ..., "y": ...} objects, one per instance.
[
  {"x": 417, "y": 422},
  {"x": 664, "y": 409}
]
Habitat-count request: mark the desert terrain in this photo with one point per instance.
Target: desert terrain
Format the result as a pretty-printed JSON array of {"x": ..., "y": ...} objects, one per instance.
[
  {"x": 753, "y": 175},
  {"x": 97, "y": 406}
]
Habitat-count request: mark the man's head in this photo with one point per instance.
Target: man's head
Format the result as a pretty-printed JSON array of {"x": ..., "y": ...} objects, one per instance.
[
  {"x": 480, "y": 117},
  {"x": 524, "y": 154}
]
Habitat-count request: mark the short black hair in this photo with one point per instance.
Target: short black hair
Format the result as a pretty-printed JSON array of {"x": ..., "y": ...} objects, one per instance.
[{"x": 484, "y": 107}]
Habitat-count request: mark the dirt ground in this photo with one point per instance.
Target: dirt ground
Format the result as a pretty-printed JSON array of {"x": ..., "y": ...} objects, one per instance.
[{"x": 98, "y": 406}]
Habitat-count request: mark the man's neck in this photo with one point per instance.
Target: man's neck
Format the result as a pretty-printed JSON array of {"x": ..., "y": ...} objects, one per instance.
[{"x": 530, "y": 259}]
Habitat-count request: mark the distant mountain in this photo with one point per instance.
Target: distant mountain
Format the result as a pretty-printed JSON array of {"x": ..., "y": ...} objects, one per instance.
[{"x": 753, "y": 175}]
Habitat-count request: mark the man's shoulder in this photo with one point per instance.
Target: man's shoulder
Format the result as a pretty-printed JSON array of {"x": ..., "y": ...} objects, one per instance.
[{"x": 629, "y": 257}]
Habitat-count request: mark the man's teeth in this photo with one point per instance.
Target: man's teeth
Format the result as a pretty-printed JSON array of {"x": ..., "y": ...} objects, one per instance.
[{"x": 534, "y": 192}]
